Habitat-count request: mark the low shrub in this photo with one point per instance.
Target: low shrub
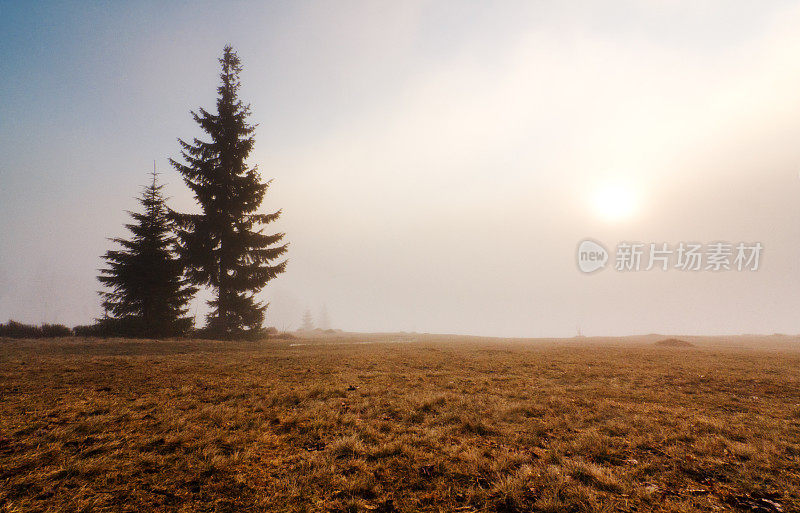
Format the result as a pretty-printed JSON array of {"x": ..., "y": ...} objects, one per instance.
[{"x": 14, "y": 329}]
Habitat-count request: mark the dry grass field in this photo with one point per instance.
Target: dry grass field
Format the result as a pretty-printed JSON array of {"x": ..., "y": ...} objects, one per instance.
[{"x": 402, "y": 423}]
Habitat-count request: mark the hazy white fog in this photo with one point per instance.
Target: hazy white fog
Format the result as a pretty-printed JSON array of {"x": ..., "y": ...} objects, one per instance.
[{"x": 437, "y": 162}]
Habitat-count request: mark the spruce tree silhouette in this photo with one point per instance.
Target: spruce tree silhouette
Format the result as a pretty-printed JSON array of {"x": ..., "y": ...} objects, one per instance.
[
  {"x": 224, "y": 247},
  {"x": 308, "y": 321},
  {"x": 148, "y": 294}
]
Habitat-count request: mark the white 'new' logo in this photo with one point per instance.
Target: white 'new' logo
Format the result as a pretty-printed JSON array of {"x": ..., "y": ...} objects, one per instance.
[{"x": 591, "y": 256}]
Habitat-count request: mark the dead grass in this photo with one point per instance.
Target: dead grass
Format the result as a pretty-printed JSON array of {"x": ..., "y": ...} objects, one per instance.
[{"x": 431, "y": 425}]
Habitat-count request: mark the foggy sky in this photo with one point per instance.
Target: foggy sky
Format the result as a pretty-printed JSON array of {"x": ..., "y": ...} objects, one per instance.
[{"x": 436, "y": 162}]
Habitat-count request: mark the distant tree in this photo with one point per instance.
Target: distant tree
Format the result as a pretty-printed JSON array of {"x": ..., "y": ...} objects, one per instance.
[
  {"x": 308, "y": 321},
  {"x": 324, "y": 318},
  {"x": 148, "y": 295},
  {"x": 223, "y": 246}
]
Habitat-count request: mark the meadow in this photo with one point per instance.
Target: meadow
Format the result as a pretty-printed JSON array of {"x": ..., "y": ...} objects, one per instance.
[{"x": 400, "y": 422}]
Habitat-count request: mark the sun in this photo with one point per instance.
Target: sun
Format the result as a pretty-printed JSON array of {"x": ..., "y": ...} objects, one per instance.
[{"x": 615, "y": 202}]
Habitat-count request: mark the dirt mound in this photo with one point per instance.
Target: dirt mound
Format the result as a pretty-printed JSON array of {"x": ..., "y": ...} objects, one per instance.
[{"x": 674, "y": 342}]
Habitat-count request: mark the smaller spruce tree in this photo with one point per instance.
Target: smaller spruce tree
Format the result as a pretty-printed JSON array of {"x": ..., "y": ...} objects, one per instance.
[
  {"x": 308, "y": 321},
  {"x": 148, "y": 293},
  {"x": 324, "y": 318}
]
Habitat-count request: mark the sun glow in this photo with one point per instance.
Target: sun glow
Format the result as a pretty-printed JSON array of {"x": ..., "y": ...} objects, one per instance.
[{"x": 614, "y": 202}]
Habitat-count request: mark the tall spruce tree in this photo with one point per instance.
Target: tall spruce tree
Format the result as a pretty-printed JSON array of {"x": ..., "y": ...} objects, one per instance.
[
  {"x": 224, "y": 246},
  {"x": 148, "y": 294}
]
